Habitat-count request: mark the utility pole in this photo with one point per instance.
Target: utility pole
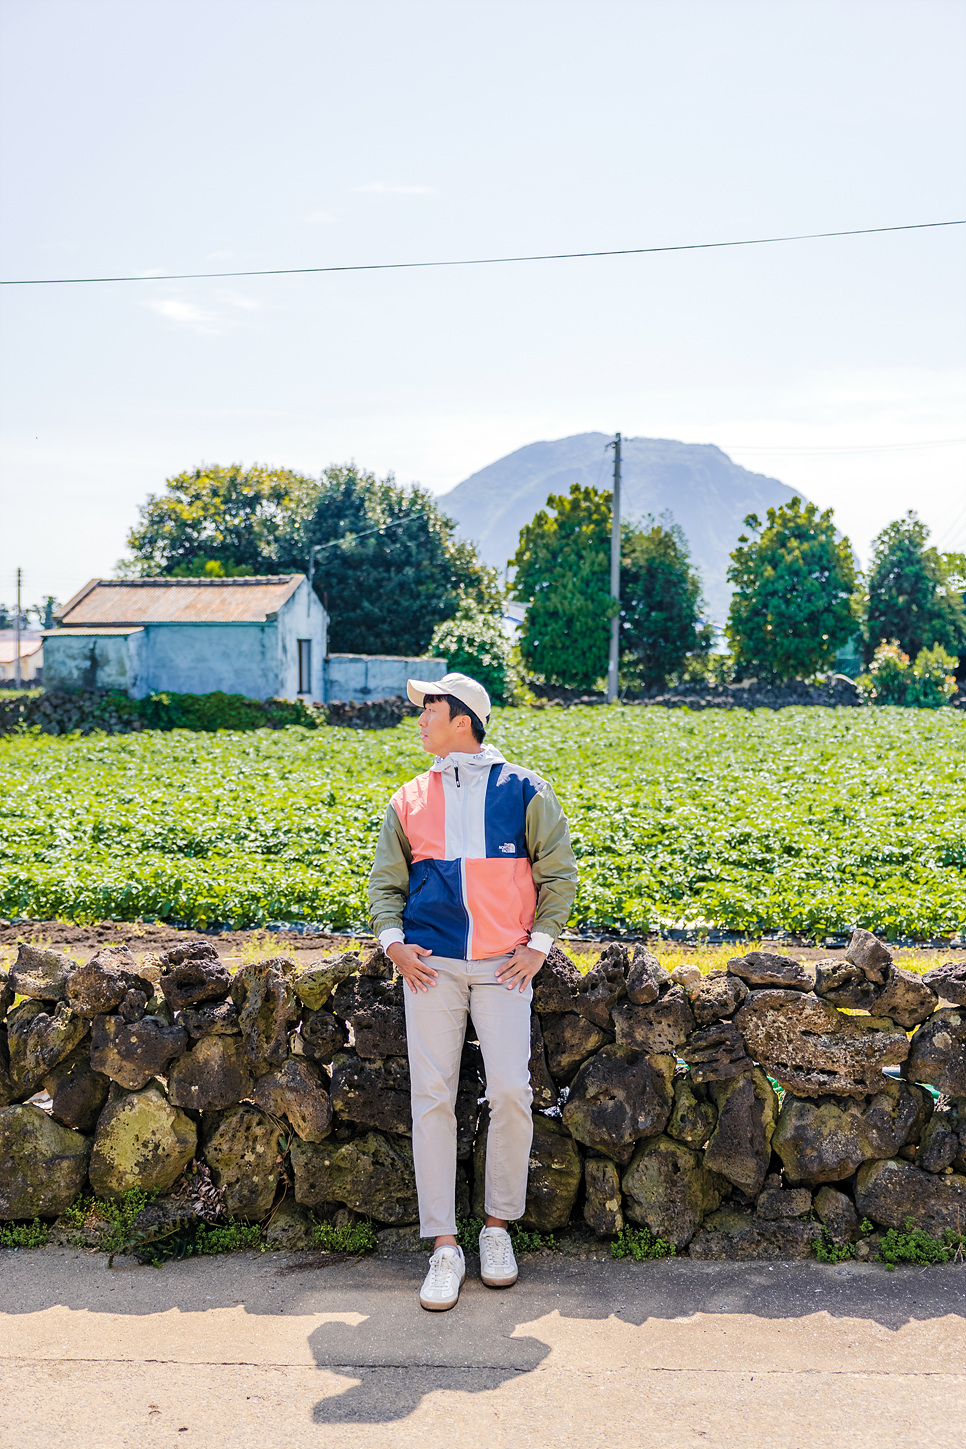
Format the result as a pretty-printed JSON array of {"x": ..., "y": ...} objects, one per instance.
[
  {"x": 17, "y": 680},
  {"x": 615, "y": 572}
]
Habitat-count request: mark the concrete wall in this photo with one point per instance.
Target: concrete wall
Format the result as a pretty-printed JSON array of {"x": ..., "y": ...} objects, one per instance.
[
  {"x": 200, "y": 658},
  {"x": 301, "y": 617},
  {"x": 375, "y": 676},
  {"x": 95, "y": 661}
]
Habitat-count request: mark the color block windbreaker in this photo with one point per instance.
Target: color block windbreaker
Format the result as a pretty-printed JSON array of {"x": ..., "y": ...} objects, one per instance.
[{"x": 472, "y": 858}]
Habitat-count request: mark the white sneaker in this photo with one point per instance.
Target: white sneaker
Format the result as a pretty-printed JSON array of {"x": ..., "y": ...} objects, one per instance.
[
  {"x": 442, "y": 1284},
  {"x": 498, "y": 1267}
]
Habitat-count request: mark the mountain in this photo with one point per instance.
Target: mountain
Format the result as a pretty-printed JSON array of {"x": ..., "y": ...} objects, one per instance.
[{"x": 698, "y": 484}]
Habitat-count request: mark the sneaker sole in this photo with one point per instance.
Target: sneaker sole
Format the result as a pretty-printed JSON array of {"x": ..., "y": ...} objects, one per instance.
[
  {"x": 500, "y": 1282},
  {"x": 441, "y": 1307}
]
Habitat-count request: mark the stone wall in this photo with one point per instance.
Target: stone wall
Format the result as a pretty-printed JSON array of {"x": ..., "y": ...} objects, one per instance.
[{"x": 654, "y": 1094}]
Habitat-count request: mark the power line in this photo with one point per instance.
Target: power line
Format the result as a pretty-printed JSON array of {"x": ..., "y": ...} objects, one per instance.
[{"x": 757, "y": 241}]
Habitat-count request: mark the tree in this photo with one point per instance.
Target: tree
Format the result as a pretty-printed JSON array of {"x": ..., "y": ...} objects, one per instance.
[
  {"x": 661, "y": 604},
  {"x": 394, "y": 572},
  {"x": 475, "y": 643},
  {"x": 792, "y": 605},
  {"x": 563, "y": 575},
  {"x": 389, "y": 569},
  {"x": 230, "y": 516},
  {"x": 913, "y": 593}
]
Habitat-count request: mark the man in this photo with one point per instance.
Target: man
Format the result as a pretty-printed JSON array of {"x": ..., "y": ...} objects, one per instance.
[{"x": 473, "y": 879}]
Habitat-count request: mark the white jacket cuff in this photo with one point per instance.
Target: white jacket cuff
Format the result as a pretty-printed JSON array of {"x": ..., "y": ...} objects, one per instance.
[
  {"x": 540, "y": 941},
  {"x": 390, "y": 936}
]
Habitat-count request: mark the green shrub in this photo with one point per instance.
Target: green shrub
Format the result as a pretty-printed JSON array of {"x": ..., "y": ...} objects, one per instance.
[
  {"x": 915, "y": 1245},
  {"x": 348, "y": 1238},
  {"x": 928, "y": 683},
  {"x": 24, "y": 1235},
  {"x": 827, "y": 1251},
  {"x": 474, "y": 643},
  {"x": 119, "y": 1212},
  {"x": 230, "y": 1237},
  {"x": 523, "y": 1240},
  {"x": 641, "y": 1245}
]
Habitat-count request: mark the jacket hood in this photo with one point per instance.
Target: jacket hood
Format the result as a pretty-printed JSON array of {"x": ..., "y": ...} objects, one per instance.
[{"x": 479, "y": 760}]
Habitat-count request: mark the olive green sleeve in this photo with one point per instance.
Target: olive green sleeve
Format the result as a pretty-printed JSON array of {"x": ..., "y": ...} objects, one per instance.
[
  {"x": 389, "y": 877},
  {"x": 552, "y": 858}
]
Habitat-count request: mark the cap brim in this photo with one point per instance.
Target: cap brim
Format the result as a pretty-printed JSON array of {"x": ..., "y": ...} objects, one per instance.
[{"x": 417, "y": 689}]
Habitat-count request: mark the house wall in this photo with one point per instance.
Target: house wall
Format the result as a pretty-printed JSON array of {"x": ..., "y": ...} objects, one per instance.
[
  {"x": 200, "y": 658},
  {"x": 301, "y": 617},
  {"x": 375, "y": 676},
  {"x": 95, "y": 661}
]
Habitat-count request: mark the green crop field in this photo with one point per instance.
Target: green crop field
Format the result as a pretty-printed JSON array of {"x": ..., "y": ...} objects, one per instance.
[{"x": 808, "y": 819}]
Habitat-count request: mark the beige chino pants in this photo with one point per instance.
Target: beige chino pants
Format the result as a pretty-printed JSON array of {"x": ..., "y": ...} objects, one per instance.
[{"x": 435, "y": 1028}]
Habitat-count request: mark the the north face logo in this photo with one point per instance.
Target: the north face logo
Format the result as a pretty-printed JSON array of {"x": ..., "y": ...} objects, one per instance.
[{"x": 508, "y": 849}]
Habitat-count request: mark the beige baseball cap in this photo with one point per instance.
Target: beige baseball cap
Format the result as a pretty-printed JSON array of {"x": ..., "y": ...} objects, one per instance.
[{"x": 460, "y": 686}]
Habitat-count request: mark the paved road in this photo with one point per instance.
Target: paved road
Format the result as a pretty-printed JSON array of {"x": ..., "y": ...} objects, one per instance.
[{"x": 260, "y": 1351}]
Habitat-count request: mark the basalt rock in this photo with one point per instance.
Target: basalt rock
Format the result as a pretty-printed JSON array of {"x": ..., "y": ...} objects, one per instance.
[
  {"x": 101, "y": 985},
  {"x": 602, "y": 1197},
  {"x": 905, "y": 999},
  {"x": 890, "y": 1192},
  {"x": 375, "y": 1010},
  {"x": 267, "y": 1006},
  {"x": 321, "y": 1035},
  {"x": 938, "y": 1054},
  {"x": 140, "y": 1141},
  {"x": 763, "y": 968},
  {"x": 377, "y": 964},
  {"x": 77, "y": 1092},
  {"x": 314, "y": 986},
  {"x": 717, "y": 1053},
  {"x": 291, "y": 1229},
  {"x": 568, "y": 1040},
  {"x": 949, "y": 981},
  {"x": 668, "y": 1188},
  {"x": 7, "y": 993},
  {"x": 717, "y": 997},
  {"x": 693, "y": 1115},
  {"x": 843, "y": 984},
  {"x": 658, "y": 1028},
  {"x": 42, "y": 1164},
  {"x": 943, "y": 1140},
  {"x": 555, "y": 984},
  {"x": 212, "y": 1076},
  {"x": 39, "y": 973},
  {"x": 296, "y": 1092},
  {"x": 541, "y": 1082},
  {"x": 871, "y": 955},
  {"x": 242, "y": 1151},
  {"x": 212, "y": 1018},
  {"x": 814, "y": 1050},
  {"x": 775, "y": 1204},
  {"x": 825, "y": 1139},
  {"x": 133, "y": 1007},
  {"x": 646, "y": 978},
  {"x": 192, "y": 975},
  {"x": 600, "y": 990},
  {"x": 732, "y": 1235},
  {"x": 837, "y": 1213},
  {"x": 687, "y": 974},
  {"x": 619, "y": 1096},
  {"x": 553, "y": 1179},
  {"x": 373, "y": 1092},
  {"x": 740, "y": 1146},
  {"x": 132, "y": 1054},
  {"x": 38, "y": 1039},
  {"x": 373, "y": 1175}
]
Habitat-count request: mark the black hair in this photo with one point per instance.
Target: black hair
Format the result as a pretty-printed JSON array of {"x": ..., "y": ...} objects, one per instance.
[{"x": 456, "y": 708}]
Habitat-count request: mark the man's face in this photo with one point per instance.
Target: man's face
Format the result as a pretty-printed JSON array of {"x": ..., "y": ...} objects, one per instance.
[{"x": 440, "y": 735}]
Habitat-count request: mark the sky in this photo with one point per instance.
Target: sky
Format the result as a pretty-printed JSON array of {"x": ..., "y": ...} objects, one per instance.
[{"x": 155, "y": 136}]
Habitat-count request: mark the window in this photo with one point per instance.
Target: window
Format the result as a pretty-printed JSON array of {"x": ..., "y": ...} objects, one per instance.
[{"x": 305, "y": 666}]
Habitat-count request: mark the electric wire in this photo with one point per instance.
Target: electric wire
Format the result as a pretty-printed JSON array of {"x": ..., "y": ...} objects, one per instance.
[{"x": 757, "y": 241}]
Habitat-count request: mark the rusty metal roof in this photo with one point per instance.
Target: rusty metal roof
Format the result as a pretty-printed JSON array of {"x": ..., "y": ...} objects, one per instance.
[{"x": 129, "y": 602}]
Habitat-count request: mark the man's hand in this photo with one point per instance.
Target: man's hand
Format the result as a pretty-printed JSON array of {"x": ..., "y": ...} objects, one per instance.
[
  {"x": 521, "y": 968},
  {"x": 411, "y": 967}
]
